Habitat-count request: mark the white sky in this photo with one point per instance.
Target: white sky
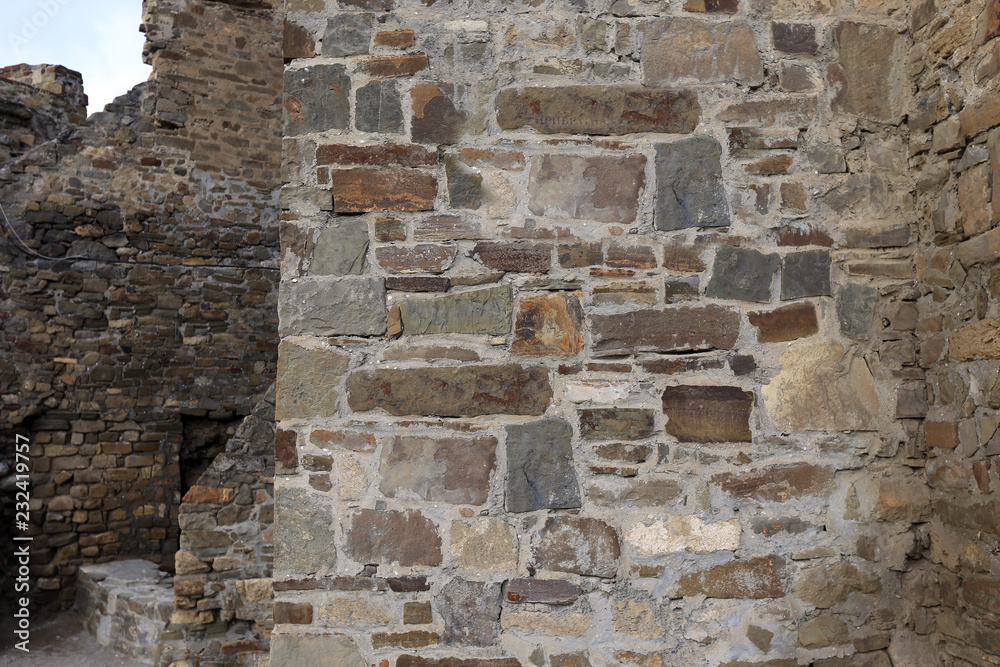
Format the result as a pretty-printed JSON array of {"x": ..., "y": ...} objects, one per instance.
[{"x": 98, "y": 38}]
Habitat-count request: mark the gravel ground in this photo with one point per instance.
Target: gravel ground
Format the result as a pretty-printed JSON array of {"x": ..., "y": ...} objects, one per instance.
[{"x": 62, "y": 641}]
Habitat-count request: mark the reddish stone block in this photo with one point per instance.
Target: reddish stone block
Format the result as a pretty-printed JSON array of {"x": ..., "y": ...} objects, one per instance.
[
  {"x": 708, "y": 413},
  {"x": 411, "y": 639},
  {"x": 291, "y": 612},
  {"x": 943, "y": 435},
  {"x": 542, "y": 591},
  {"x": 363, "y": 190},
  {"x": 381, "y": 155},
  {"x": 755, "y": 579},
  {"x": 420, "y": 258},
  {"x": 587, "y": 547},
  {"x": 550, "y": 325},
  {"x": 208, "y": 495},
  {"x": 803, "y": 235},
  {"x": 397, "y": 39},
  {"x": 394, "y": 65},
  {"x": 517, "y": 256},
  {"x": 238, "y": 646},
  {"x": 285, "y": 451},
  {"x": 794, "y": 197},
  {"x": 297, "y": 42},
  {"x": 771, "y": 166},
  {"x": 787, "y": 323},
  {"x": 778, "y": 483},
  {"x": 417, "y": 284},
  {"x": 436, "y": 120},
  {"x": 634, "y": 257},
  {"x": 672, "y": 330},
  {"x": 408, "y": 538}
]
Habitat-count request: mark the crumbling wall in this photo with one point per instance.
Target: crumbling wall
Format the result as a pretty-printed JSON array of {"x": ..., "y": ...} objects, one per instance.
[
  {"x": 103, "y": 363},
  {"x": 600, "y": 329}
]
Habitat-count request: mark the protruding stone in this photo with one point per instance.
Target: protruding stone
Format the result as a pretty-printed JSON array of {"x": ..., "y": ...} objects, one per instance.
[
  {"x": 689, "y": 190},
  {"x": 390, "y": 536},
  {"x": 588, "y": 547},
  {"x": 708, "y": 413},
  {"x": 450, "y": 470},
  {"x": 540, "y": 472},
  {"x": 605, "y": 189}
]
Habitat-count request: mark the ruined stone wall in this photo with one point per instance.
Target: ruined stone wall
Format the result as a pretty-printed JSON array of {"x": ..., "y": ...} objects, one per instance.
[
  {"x": 601, "y": 335},
  {"x": 955, "y": 156},
  {"x": 130, "y": 377}
]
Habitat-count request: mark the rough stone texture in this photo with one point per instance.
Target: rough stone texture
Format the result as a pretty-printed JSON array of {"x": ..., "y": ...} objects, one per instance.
[
  {"x": 486, "y": 544},
  {"x": 471, "y": 612},
  {"x": 341, "y": 250},
  {"x": 485, "y": 311},
  {"x": 756, "y": 578},
  {"x": 542, "y": 591},
  {"x": 318, "y": 101},
  {"x": 777, "y": 483},
  {"x": 540, "y": 472},
  {"x": 598, "y": 110},
  {"x": 682, "y": 533},
  {"x": 550, "y": 325},
  {"x": 708, "y": 414},
  {"x": 823, "y": 631},
  {"x": 582, "y": 546},
  {"x": 379, "y": 108},
  {"x": 855, "y": 309},
  {"x": 347, "y": 35},
  {"x": 614, "y": 424},
  {"x": 448, "y": 392},
  {"x": 785, "y": 323},
  {"x": 744, "y": 274},
  {"x": 390, "y": 536},
  {"x": 333, "y": 307},
  {"x": 861, "y": 82},
  {"x": 363, "y": 190},
  {"x": 672, "y": 330},
  {"x": 301, "y": 370},
  {"x": 805, "y": 274},
  {"x": 822, "y": 387},
  {"x": 302, "y": 540},
  {"x": 605, "y": 189},
  {"x": 420, "y": 258},
  {"x": 288, "y": 650},
  {"x": 680, "y": 49},
  {"x": 979, "y": 340},
  {"x": 689, "y": 190},
  {"x": 451, "y": 470}
]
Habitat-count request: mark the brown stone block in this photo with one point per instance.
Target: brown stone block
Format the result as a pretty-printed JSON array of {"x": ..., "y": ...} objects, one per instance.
[
  {"x": 787, "y": 323},
  {"x": 677, "y": 49},
  {"x": 708, "y": 413},
  {"x": 771, "y": 166},
  {"x": 351, "y": 440},
  {"x": 982, "y": 592},
  {"x": 446, "y": 228},
  {"x": 411, "y": 639},
  {"x": 208, "y": 495},
  {"x": 517, "y": 256},
  {"x": 190, "y": 585},
  {"x": 756, "y": 578},
  {"x": 417, "y": 613},
  {"x": 416, "y": 661},
  {"x": 451, "y": 470},
  {"x": 397, "y": 39},
  {"x": 866, "y": 79},
  {"x": 394, "y": 65},
  {"x": 788, "y": 111},
  {"x": 587, "y": 547},
  {"x": 827, "y": 585},
  {"x": 407, "y": 538},
  {"x": 417, "y": 284},
  {"x": 778, "y": 483},
  {"x": 943, "y": 435},
  {"x": 291, "y": 612},
  {"x": 978, "y": 340},
  {"x": 686, "y": 258},
  {"x": 675, "y": 366},
  {"x": 982, "y": 115},
  {"x": 452, "y": 392},
  {"x": 579, "y": 255},
  {"x": 285, "y": 451},
  {"x": 240, "y": 647},
  {"x": 672, "y": 330},
  {"x": 802, "y": 235},
  {"x": 601, "y": 188},
  {"x": 388, "y": 230},
  {"x": 544, "y": 591},
  {"x": 381, "y": 155},
  {"x": 420, "y": 258},
  {"x": 712, "y": 6},
  {"x": 893, "y": 237},
  {"x": 408, "y": 584},
  {"x": 794, "y": 37},
  {"x": 436, "y": 120},
  {"x": 363, "y": 190},
  {"x": 297, "y": 42},
  {"x": 602, "y": 110},
  {"x": 748, "y": 141},
  {"x": 634, "y": 257},
  {"x": 616, "y": 424},
  {"x": 550, "y": 325}
]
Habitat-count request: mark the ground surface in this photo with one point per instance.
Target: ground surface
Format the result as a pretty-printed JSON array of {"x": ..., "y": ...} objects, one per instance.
[{"x": 62, "y": 641}]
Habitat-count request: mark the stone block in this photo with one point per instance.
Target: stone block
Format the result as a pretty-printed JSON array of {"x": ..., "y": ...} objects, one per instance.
[
  {"x": 380, "y": 155},
  {"x": 305, "y": 384},
  {"x": 314, "y": 649},
  {"x": 391, "y": 66},
  {"x": 778, "y": 483},
  {"x": 417, "y": 284},
  {"x": 806, "y": 274},
  {"x": 450, "y": 470},
  {"x": 708, "y": 413},
  {"x": 378, "y": 108},
  {"x": 305, "y": 535},
  {"x": 786, "y": 323},
  {"x": 587, "y": 547},
  {"x": 648, "y": 492},
  {"x": 689, "y": 189},
  {"x": 743, "y": 273},
  {"x": 297, "y": 42},
  {"x": 317, "y": 99},
  {"x": 487, "y": 543},
  {"x": 294, "y": 613},
  {"x": 678, "y": 329},
  {"x": 540, "y": 472},
  {"x": 550, "y": 325},
  {"x": 517, "y": 256},
  {"x": 363, "y": 190},
  {"x": 471, "y": 612},
  {"x": 604, "y": 189},
  {"x": 417, "y": 661},
  {"x": 826, "y": 630},
  {"x": 616, "y": 423},
  {"x": 855, "y": 309},
  {"x": 598, "y": 110},
  {"x": 417, "y": 613},
  {"x": 579, "y": 255},
  {"x": 323, "y": 306},
  {"x": 419, "y": 258},
  {"x": 867, "y": 80},
  {"x": 341, "y": 249},
  {"x": 683, "y": 533},
  {"x": 391, "y": 537},
  {"x": 794, "y": 38},
  {"x": 435, "y": 120},
  {"x": 754, "y": 578},
  {"x": 347, "y": 35},
  {"x": 630, "y": 256},
  {"x": 978, "y": 340},
  {"x": 484, "y": 312},
  {"x": 465, "y": 185},
  {"x": 675, "y": 50},
  {"x": 542, "y": 591},
  {"x": 452, "y": 392}
]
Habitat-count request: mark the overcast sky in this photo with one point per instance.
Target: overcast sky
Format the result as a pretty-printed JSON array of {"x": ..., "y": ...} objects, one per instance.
[{"x": 98, "y": 38}]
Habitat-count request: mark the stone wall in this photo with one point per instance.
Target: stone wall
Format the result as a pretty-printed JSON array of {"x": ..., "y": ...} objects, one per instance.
[
  {"x": 132, "y": 359},
  {"x": 604, "y": 332}
]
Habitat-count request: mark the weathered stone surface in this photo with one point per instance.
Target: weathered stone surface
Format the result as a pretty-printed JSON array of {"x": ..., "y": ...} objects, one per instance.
[
  {"x": 363, "y": 190},
  {"x": 317, "y": 99},
  {"x": 471, "y": 612},
  {"x": 630, "y": 256},
  {"x": 446, "y": 228},
  {"x": 682, "y": 533},
  {"x": 341, "y": 249},
  {"x": 605, "y": 189},
  {"x": 866, "y": 79},
  {"x": 297, "y": 42},
  {"x": 486, "y": 311},
  {"x": 550, "y": 325},
  {"x": 305, "y": 536},
  {"x": 542, "y": 591},
  {"x": 826, "y": 630},
  {"x": 314, "y": 649},
  {"x": 540, "y": 472},
  {"x": 419, "y": 258},
  {"x": 771, "y": 166},
  {"x": 794, "y": 37},
  {"x": 855, "y": 309},
  {"x": 465, "y": 185},
  {"x": 450, "y": 470},
  {"x": 786, "y": 111},
  {"x": 308, "y": 378},
  {"x": 806, "y": 274},
  {"x": 671, "y": 330},
  {"x": 981, "y": 592},
  {"x": 588, "y": 547},
  {"x": 827, "y": 585},
  {"x": 415, "y": 661},
  {"x": 598, "y": 110},
  {"x": 978, "y": 340},
  {"x": 708, "y": 413},
  {"x": 286, "y": 454},
  {"x": 436, "y": 120},
  {"x": 518, "y": 256},
  {"x": 756, "y": 578},
  {"x": 387, "y": 66},
  {"x": 892, "y": 237},
  {"x": 711, "y": 7},
  {"x": 417, "y": 284},
  {"x": 452, "y": 392},
  {"x": 379, "y": 108},
  {"x": 411, "y": 639},
  {"x": 622, "y": 451},
  {"x": 290, "y": 612},
  {"x": 488, "y": 543},
  {"x": 332, "y": 307},
  {"x": 389, "y": 536},
  {"x": 943, "y": 435},
  {"x": 616, "y": 423},
  {"x": 347, "y": 35},
  {"x": 381, "y": 155},
  {"x": 786, "y": 323},
  {"x": 649, "y": 492},
  {"x": 396, "y": 39},
  {"x": 743, "y": 273},
  {"x": 678, "y": 49},
  {"x": 417, "y": 613},
  {"x": 822, "y": 387},
  {"x": 778, "y": 483},
  {"x": 557, "y": 623},
  {"x": 751, "y": 141},
  {"x": 689, "y": 190}
]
